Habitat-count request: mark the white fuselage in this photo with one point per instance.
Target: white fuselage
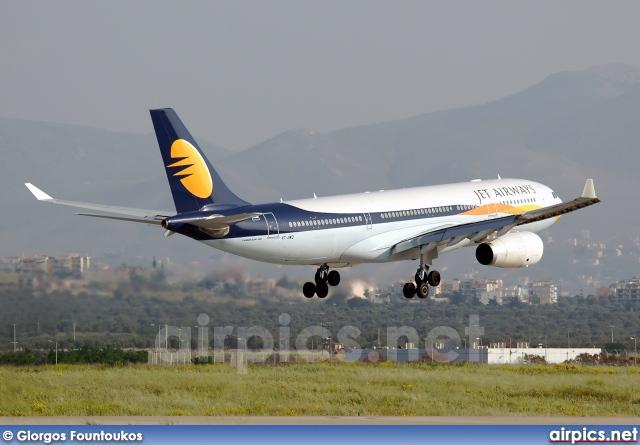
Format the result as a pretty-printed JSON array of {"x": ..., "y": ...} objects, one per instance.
[{"x": 388, "y": 217}]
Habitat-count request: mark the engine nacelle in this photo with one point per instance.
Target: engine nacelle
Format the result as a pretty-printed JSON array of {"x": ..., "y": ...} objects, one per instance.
[{"x": 518, "y": 249}]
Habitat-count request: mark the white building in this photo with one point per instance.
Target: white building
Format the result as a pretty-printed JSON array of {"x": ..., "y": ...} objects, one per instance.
[{"x": 551, "y": 355}]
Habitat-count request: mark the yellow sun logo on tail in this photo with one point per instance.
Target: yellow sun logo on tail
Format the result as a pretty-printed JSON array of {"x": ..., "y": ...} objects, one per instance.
[{"x": 197, "y": 178}]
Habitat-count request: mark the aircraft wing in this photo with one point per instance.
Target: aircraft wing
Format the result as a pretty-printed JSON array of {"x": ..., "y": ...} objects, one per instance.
[
  {"x": 478, "y": 231},
  {"x": 135, "y": 215}
]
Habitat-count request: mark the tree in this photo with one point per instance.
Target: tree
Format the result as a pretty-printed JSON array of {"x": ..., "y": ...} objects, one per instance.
[{"x": 614, "y": 348}]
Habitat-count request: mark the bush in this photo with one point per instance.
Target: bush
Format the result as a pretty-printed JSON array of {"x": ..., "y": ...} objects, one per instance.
[
  {"x": 20, "y": 358},
  {"x": 535, "y": 359}
]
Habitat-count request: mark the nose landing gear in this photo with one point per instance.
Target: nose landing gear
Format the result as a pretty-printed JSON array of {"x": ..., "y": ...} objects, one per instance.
[{"x": 323, "y": 279}]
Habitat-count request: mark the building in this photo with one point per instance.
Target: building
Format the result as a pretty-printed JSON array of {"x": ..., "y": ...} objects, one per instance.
[
  {"x": 495, "y": 295},
  {"x": 551, "y": 355},
  {"x": 72, "y": 264},
  {"x": 546, "y": 292},
  {"x": 515, "y": 293},
  {"x": 448, "y": 287},
  {"x": 34, "y": 264},
  {"x": 260, "y": 287},
  {"x": 626, "y": 289},
  {"x": 472, "y": 288}
]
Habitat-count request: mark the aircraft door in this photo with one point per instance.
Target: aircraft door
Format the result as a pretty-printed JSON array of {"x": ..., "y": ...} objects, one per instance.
[
  {"x": 367, "y": 220},
  {"x": 273, "y": 231},
  {"x": 492, "y": 209}
]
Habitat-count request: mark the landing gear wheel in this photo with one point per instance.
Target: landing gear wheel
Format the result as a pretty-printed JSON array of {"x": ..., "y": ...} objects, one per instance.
[
  {"x": 434, "y": 278},
  {"x": 322, "y": 290},
  {"x": 309, "y": 289},
  {"x": 423, "y": 290},
  {"x": 409, "y": 290},
  {"x": 417, "y": 279},
  {"x": 334, "y": 278},
  {"x": 318, "y": 278}
]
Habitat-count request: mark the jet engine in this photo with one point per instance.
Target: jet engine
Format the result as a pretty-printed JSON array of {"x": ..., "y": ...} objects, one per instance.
[{"x": 512, "y": 250}]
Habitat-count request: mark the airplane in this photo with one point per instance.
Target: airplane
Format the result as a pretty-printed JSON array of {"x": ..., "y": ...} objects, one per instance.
[{"x": 499, "y": 217}]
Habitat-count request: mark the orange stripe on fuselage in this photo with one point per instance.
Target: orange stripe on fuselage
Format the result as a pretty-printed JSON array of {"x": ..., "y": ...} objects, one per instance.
[{"x": 500, "y": 208}]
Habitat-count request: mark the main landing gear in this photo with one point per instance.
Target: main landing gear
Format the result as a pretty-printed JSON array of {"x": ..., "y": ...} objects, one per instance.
[
  {"x": 323, "y": 280},
  {"x": 423, "y": 279}
]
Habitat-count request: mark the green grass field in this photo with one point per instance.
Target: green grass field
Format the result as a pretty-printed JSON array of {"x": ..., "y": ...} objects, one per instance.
[{"x": 321, "y": 390}]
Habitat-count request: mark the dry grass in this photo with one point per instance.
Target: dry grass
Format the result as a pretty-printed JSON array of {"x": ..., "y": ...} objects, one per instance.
[{"x": 320, "y": 390}]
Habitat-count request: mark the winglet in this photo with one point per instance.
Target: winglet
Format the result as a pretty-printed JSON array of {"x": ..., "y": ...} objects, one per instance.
[
  {"x": 39, "y": 194},
  {"x": 589, "y": 190}
]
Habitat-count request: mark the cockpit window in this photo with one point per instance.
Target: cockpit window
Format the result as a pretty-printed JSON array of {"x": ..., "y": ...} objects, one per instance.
[{"x": 554, "y": 194}]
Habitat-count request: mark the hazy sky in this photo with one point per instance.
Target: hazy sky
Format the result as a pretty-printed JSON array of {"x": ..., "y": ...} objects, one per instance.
[{"x": 239, "y": 72}]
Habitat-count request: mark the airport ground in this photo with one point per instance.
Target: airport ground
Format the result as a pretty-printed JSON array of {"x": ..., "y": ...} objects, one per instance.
[{"x": 347, "y": 389}]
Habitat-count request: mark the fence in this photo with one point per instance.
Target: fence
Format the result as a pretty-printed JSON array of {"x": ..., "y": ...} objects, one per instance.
[{"x": 237, "y": 357}]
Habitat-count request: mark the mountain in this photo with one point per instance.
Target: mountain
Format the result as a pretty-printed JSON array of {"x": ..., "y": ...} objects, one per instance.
[
  {"x": 568, "y": 127},
  {"x": 82, "y": 164}
]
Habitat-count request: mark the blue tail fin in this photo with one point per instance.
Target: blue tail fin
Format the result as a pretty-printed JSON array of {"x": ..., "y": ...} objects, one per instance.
[{"x": 193, "y": 181}]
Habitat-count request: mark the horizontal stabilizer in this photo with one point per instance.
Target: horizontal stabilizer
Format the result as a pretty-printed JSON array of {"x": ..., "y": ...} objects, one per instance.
[
  {"x": 122, "y": 218},
  {"x": 219, "y": 221}
]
